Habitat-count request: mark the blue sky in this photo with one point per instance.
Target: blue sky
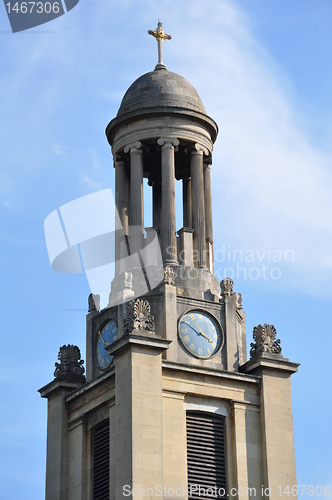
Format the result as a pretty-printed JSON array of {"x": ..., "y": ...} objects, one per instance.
[{"x": 263, "y": 69}]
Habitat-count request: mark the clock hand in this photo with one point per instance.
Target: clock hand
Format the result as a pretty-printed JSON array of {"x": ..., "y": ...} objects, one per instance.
[
  {"x": 197, "y": 333},
  {"x": 103, "y": 341},
  {"x": 203, "y": 334},
  {"x": 190, "y": 326}
]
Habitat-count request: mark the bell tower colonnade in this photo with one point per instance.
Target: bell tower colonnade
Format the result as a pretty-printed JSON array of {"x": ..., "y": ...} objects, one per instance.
[{"x": 162, "y": 133}]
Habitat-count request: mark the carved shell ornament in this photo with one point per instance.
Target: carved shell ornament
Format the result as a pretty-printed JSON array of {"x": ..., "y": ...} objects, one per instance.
[
  {"x": 70, "y": 362},
  {"x": 139, "y": 316},
  {"x": 142, "y": 309},
  {"x": 265, "y": 341}
]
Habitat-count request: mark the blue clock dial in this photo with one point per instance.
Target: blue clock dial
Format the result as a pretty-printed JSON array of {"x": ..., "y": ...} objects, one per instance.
[
  {"x": 106, "y": 336},
  {"x": 200, "y": 334}
]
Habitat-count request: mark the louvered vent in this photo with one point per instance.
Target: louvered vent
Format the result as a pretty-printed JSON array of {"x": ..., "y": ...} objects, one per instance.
[
  {"x": 206, "y": 456},
  {"x": 101, "y": 463}
]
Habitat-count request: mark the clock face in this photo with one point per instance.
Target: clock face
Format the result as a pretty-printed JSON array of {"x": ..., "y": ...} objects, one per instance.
[
  {"x": 106, "y": 336},
  {"x": 200, "y": 334}
]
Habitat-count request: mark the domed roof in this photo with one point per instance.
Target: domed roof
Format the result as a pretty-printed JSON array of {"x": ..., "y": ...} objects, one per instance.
[
  {"x": 161, "y": 89},
  {"x": 158, "y": 95}
]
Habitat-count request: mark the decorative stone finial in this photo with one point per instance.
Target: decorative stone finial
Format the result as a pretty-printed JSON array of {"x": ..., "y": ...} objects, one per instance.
[
  {"x": 94, "y": 302},
  {"x": 128, "y": 281},
  {"x": 70, "y": 366},
  {"x": 139, "y": 317},
  {"x": 265, "y": 341},
  {"x": 226, "y": 287},
  {"x": 169, "y": 276},
  {"x": 239, "y": 301},
  {"x": 160, "y": 35}
]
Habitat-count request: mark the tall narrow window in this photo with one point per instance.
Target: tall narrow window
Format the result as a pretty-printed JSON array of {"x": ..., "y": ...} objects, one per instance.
[
  {"x": 101, "y": 462},
  {"x": 206, "y": 456}
]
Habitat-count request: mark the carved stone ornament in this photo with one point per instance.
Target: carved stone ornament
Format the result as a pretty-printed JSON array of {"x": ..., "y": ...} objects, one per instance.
[
  {"x": 169, "y": 276},
  {"x": 94, "y": 302},
  {"x": 139, "y": 317},
  {"x": 128, "y": 280},
  {"x": 71, "y": 364},
  {"x": 239, "y": 301},
  {"x": 226, "y": 287},
  {"x": 265, "y": 341}
]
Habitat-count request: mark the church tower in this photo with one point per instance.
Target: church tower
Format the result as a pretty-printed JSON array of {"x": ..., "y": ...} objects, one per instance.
[{"x": 169, "y": 405}]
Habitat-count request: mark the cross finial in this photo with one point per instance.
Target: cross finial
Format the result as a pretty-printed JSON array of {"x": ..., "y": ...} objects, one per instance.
[{"x": 160, "y": 35}]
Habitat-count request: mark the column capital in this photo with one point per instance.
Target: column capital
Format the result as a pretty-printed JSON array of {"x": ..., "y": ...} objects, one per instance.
[
  {"x": 136, "y": 147},
  {"x": 120, "y": 161},
  {"x": 197, "y": 149},
  {"x": 120, "y": 158},
  {"x": 168, "y": 142},
  {"x": 207, "y": 162}
]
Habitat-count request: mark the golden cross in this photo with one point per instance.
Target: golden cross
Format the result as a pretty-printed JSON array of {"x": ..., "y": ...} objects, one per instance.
[{"x": 160, "y": 35}]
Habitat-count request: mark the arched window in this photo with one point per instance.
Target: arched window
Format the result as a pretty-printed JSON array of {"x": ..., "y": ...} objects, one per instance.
[
  {"x": 206, "y": 457},
  {"x": 101, "y": 461}
]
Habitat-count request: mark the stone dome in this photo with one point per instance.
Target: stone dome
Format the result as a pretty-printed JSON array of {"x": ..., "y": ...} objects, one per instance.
[
  {"x": 161, "y": 89},
  {"x": 159, "y": 100}
]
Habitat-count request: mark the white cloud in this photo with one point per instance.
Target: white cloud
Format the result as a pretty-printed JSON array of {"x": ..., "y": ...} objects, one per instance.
[
  {"x": 91, "y": 183},
  {"x": 59, "y": 150},
  {"x": 270, "y": 185},
  {"x": 93, "y": 156}
]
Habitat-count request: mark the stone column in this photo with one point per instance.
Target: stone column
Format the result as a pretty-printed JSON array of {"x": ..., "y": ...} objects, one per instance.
[
  {"x": 136, "y": 221},
  {"x": 174, "y": 434},
  {"x": 233, "y": 344},
  {"x": 89, "y": 359},
  {"x": 168, "y": 221},
  {"x": 186, "y": 247},
  {"x": 198, "y": 208},
  {"x": 57, "y": 456},
  {"x": 276, "y": 418},
  {"x": 122, "y": 207},
  {"x": 208, "y": 216},
  {"x": 247, "y": 452},
  {"x": 187, "y": 205},
  {"x": 78, "y": 467},
  {"x": 112, "y": 421},
  {"x": 138, "y": 446}
]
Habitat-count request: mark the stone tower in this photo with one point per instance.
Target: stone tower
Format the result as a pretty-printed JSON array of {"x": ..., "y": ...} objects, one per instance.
[{"x": 169, "y": 406}]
